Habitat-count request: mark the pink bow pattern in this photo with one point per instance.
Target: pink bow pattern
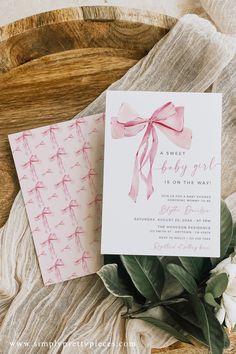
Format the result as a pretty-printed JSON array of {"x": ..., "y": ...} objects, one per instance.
[
  {"x": 58, "y": 168},
  {"x": 23, "y": 137},
  {"x": 36, "y": 190},
  {"x": 49, "y": 243},
  {"x": 51, "y": 131},
  {"x": 76, "y": 235},
  {"x": 56, "y": 268},
  {"x": 169, "y": 119}
]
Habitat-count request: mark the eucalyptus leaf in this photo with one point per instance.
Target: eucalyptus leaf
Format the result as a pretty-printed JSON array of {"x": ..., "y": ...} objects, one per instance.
[
  {"x": 233, "y": 239},
  {"x": 193, "y": 265},
  {"x": 123, "y": 274},
  {"x": 185, "y": 279},
  {"x": 172, "y": 287},
  {"x": 193, "y": 330},
  {"x": 209, "y": 299},
  {"x": 211, "y": 327},
  {"x": 226, "y": 228},
  {"x": 226, "y": 232},
  {"x": 217, "y": 284},
  {"x": 232, "y": 243},
  {"x": 185, "y": 310},
  {"x": 166, "y": 327},
  {"x": 147, "y": 274},
  {"x": 150, "y": 305},
  {"x": 172, "y": 301},
  {"x": 115, "y": 285}
]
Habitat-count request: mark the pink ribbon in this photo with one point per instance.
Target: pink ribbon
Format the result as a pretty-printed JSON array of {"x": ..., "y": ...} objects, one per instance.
[
  {"x": 83, "y": 259},
  {"x": 51, "y": 131},
  {"x": 56, "y": 268},
  {"x": 169, "y": 119},
  {"x": 49, "y": 243}
]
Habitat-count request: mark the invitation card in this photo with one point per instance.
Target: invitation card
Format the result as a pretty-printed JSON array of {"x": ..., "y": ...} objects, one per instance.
[
  {"x": 162, "y": 174},
  {"x": 60, "y": 173}
]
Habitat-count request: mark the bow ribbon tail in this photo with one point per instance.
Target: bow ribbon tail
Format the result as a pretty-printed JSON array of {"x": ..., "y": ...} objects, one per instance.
[
  {"x": 141, "y": 161},
  {"x": 133, "y": 193},
  {"x": 150, "y": 157}
]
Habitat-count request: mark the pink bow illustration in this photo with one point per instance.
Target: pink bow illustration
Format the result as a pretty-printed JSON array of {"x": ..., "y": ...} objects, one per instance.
[
  {"x": 100, "y": 119},
  {"x": 96, "y": 202},
  {"x": 44, "y": 217},
  {"x": 89, "y": 177},
  {"x": 84, "y": 151},
  {"x": 169, "y": 119},
  {"x": 51, "y": 131},
  {"x": 49, "y": 243},
  {"x": 30, "y": 164},
  {"x": 76, "y": 235},
  {"x": 77, "y": 126},
  {"x": 63, "y": 184},
  {"x": 58, "y": 156},
  {"x": 83, "y": 260},
  {"x": 71, "y": 209},
  {"x": 36, "y": 190},
  {"x": 24, "y": 138},
  {"x": 56, "y": 268}
]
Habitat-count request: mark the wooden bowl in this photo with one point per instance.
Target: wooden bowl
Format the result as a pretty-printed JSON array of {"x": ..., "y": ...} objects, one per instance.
[{"x": 54, "y": 64}]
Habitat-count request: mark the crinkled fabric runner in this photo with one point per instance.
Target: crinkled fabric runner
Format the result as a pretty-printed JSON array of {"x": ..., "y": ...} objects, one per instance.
[{"x": 192, "y": 57}]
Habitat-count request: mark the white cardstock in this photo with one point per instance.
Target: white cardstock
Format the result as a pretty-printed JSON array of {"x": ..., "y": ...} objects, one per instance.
[{"x": 162, "y": 174}]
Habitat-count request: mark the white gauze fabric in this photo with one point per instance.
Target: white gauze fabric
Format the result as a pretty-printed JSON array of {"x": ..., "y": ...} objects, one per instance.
[
  {"x": 223, "y": 13},
  {"x": 192, "y": 57}
]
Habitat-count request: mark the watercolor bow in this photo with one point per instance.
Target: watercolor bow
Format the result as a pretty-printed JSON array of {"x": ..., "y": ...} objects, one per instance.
[{"x": 169, "y": 119}]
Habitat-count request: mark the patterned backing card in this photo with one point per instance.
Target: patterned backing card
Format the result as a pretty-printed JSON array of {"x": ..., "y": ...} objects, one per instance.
[{"x": 60, "y": 172}]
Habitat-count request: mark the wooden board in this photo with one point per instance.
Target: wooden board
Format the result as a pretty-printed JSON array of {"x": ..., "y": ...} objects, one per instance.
[{"x": 54, "y": 64}]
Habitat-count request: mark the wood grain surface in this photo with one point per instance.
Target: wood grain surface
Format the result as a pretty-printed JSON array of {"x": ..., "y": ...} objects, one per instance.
[{"x": 54, "y": 64}]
